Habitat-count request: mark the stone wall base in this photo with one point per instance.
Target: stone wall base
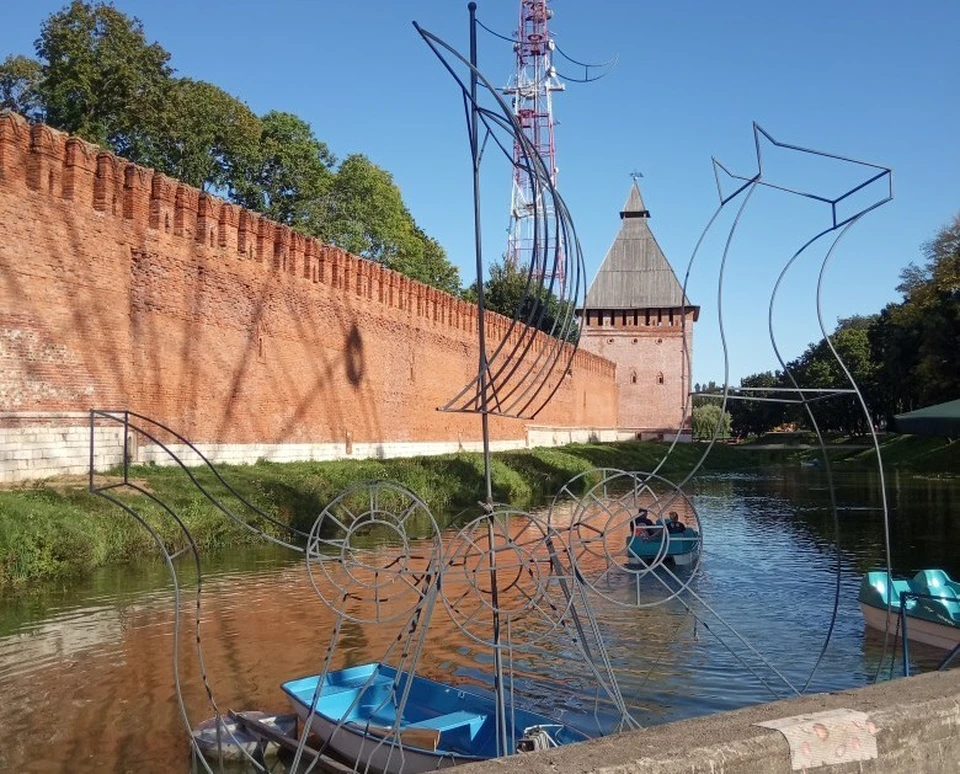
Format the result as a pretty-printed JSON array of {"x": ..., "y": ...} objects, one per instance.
[
  {"x": 35, "y": 446},
  {"x": 915, "y": 723}
]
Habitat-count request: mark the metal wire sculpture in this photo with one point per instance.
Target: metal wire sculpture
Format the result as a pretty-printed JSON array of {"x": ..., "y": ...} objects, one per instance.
[
  {"x": 520, "y": 373},
  {"x": 363, "y": 561},
  {"x": 513, "y": 582},
  {"x": 873, "y": 178},
  {"x": 180, "y": 451},
  {"x": 600, "y": 525},
  {"x": 514, "y": 571}
]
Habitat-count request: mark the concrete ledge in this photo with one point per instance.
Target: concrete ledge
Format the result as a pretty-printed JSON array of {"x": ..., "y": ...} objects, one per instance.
[{"x": 918, "y": 722}]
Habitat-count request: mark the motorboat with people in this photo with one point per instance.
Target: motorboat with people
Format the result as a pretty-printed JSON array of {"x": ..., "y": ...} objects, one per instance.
[
  {"x": 924, "y": 608},
  {"x": 377, "y": 718}
]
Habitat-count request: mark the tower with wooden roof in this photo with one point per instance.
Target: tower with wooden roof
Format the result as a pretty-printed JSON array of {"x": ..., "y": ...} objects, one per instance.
[{"x": 637, "y": 315}]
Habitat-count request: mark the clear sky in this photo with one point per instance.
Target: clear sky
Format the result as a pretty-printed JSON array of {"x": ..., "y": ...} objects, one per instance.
[{"x": 870, "y": 79}]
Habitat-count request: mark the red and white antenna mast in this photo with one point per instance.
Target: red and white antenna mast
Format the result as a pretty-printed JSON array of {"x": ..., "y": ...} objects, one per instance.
[{"x": 531, "y": 88}]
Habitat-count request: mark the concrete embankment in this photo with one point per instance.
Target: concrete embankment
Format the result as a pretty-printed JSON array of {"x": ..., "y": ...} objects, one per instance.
[{"x": 915, "y": 723}]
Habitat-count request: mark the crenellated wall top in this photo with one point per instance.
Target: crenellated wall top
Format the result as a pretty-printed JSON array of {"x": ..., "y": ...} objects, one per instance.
[{"x": 45, "y": 161}]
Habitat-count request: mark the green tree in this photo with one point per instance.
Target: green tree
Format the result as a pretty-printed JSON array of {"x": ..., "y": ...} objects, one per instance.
[
  {"x": 427, "y": 262},
  {"x": 759, "y": 411},
  {"x": 103, "y": 81},
  {"x": 289, "y": 176},
  {"x": 819, "y": 368},
  {"x": 365, "y": 214},
  {"x": 511, "y": 292},
  {"x": 937, "y": 302},
  {"x": 19, "y": 79},
  {"x": 212, "y": 139},
  {"x": 915, "y": 342},
  {"x": 709, "y": 421},
  {"x": 894, "y": 342}
]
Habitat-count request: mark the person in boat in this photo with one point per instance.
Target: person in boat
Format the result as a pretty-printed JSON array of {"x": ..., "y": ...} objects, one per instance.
[
  {"x": 641, "y": 523},
  {"x": 674, "y": 525}
]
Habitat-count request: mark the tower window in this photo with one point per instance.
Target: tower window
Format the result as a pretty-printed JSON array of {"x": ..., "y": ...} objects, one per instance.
[{"x": 660, "y": 378}]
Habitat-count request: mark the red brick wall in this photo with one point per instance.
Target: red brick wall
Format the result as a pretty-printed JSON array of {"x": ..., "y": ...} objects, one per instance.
[
  {"x": 122, "y": 288},
  {"x": 653, "y": 371}
]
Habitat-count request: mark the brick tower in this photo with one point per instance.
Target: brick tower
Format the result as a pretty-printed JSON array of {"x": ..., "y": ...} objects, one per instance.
[{"x": 636, "y": 315}]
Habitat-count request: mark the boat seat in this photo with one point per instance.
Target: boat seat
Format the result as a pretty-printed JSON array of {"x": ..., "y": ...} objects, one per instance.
[
  {"x": 932, "y": 579},
  {"x": 949, "y": 600},
  {"x": 452, "y": 721}
]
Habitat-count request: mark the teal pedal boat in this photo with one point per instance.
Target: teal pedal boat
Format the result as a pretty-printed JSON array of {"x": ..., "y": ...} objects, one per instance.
[
  {"x": 655, "y": 543},
  {"x": 931, "y": 601}
]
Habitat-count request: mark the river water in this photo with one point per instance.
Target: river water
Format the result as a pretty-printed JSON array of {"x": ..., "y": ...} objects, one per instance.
[{"x": 87, "y": 677}]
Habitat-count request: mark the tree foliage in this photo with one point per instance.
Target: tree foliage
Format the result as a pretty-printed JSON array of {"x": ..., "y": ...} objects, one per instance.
[
  {"x": 103, "y": 81},
  {"x": 19, "y": 79},
  {"x": 709, "y": 421},
  {"x": 758, "y": 411},
  {"x": 512, "y": 292},
  {"x": 819, "y": 368},
  {"x": 288, "y": 174},
  {"x": 212, "y": 138},
  {"x": 427, "y": 262},
  {"x": 366, "y": 215},
  {"x": 916, "y": 342},
  {"x": 97, "y": 76}
]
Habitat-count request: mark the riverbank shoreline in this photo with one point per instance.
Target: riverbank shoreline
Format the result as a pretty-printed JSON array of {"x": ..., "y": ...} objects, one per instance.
[{"x": 56, "y": 529}]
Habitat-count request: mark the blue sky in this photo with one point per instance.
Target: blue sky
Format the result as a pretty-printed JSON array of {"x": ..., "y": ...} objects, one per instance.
[{"x": 870, "y": 80}]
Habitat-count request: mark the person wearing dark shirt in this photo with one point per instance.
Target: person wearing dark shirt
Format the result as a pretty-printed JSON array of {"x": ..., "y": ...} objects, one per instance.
[
  {"x": 640, "y": 523},
  {"x": 675, "y": 526}
]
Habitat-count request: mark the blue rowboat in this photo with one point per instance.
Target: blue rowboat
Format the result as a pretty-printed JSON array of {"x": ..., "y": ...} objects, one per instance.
[
  {"x": 655, "y": 542},
  {"x": 932, "y": 606},
  {"x": 357, "y": 720}
]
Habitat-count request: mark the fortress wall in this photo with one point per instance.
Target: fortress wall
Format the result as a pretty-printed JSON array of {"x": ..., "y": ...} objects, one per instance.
[
  {"x": 121, "y": 288},
  {"x": 653, "y": 378}
]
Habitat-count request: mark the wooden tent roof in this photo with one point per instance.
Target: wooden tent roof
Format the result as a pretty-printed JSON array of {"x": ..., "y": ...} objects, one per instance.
[{"x": 635, "y": 274}]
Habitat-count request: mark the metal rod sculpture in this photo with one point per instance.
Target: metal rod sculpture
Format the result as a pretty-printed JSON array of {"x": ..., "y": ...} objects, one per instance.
[
  {"x": 613, "y": 511},
  {"x": 508, "y": 579}
]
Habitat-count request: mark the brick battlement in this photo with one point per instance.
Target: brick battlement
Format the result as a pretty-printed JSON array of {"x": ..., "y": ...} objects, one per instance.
[
  {"x": 51, "y": 163},
  {"x": 123, "y": 288}
]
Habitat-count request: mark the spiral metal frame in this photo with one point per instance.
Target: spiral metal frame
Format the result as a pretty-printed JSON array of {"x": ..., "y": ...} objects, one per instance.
[
  {"x": 531, "y": 576},
  {"x": 523, "y": 371},
  {"x": 551, "y": 580},
  {"x": 601, "y": 526},
  {"x": 353, "y": 559}
]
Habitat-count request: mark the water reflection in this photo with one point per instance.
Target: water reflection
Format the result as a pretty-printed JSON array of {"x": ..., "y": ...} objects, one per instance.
[{"x": 87, "y": 673}]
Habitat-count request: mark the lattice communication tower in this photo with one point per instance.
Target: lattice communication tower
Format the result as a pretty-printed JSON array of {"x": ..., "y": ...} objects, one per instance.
[{"x": 530, "y": 90}]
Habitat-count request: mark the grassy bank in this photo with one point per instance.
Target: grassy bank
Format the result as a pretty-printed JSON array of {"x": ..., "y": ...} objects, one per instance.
[{"x": 56, "y": 529}]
